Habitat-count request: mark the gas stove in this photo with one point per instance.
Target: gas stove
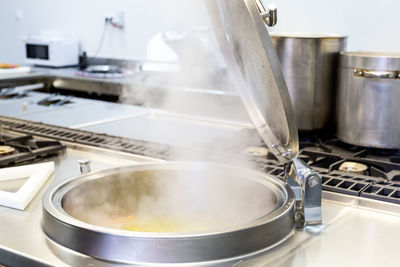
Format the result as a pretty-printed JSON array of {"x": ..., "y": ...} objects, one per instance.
[
  {"x": 345, "y": 169},
  {"x": 16, "y": 150},
  {"x": 353, "y": 170}
]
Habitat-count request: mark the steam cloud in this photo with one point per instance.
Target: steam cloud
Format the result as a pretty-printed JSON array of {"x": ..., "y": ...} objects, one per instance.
[{"x": 196, "y": 200}]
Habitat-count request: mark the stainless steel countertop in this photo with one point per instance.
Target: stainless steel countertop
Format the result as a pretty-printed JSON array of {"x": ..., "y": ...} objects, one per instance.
[
  {"x": 353, "y": 234},
  {"x": 80, "y": 112},
  {"x": 151, "y": 89},
  {"x": 356, "y": 232},
  {"x": 149, "y": 78},
  {"x": 68, "y": 72},
  {"x": 129, "y": 121},
  {"x": 182, "y": 131},
  {"x": 84, "y": 113}
]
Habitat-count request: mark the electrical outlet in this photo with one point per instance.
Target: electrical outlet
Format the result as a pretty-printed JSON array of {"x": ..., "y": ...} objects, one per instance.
[{"x": 116, "y": 20}]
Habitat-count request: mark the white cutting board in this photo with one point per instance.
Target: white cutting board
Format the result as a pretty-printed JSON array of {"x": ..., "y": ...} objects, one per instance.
[{"x": 37, "y": 175}]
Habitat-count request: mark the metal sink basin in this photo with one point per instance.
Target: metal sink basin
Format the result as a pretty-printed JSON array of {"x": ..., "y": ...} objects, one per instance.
[{"x": 207, "y": 212}]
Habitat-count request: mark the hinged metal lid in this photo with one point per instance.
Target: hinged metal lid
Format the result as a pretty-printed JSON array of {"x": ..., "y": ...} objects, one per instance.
[{"x": 244, "y": 40}]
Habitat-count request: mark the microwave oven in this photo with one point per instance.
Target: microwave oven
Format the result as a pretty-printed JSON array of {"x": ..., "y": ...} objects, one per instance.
[{"x": 52, "y": 52}]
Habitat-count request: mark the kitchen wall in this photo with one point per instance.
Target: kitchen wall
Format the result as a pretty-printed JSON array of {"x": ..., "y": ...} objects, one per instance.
[
  {"x": 85, "y": 19},
  {"x": 371, "y": 24}
]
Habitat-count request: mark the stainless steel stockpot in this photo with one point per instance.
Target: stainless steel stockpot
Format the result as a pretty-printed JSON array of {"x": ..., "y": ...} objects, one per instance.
[
  {"x": 368, "y": 99},
  {"x": 310, "y": 64}
]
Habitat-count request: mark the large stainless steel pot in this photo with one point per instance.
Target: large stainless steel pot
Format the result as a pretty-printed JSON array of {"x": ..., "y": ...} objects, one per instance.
[
  {"x": 238, "y": 212},
  {"x": 310, "y": 65},
  {"x": 368, "y": 100}
]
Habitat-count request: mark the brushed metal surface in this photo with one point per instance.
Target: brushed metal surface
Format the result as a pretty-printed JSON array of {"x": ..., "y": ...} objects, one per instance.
[
  {"x": 356, "y": 231},
  {"x": 22, "y": 241},
  {"x": 25, "y": 105},
  {"x": 257, "y": 229},
  {"x": 368, "y": 109},
  {"x": 182, "y": 131},
  {"x": 79, "y": 113},
  {"x": 353, "y": 235},
  {"x": 310, "y": 65}
]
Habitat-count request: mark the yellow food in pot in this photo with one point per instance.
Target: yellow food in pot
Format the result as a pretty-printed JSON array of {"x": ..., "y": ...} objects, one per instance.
[{"x": 153, "y": 224}]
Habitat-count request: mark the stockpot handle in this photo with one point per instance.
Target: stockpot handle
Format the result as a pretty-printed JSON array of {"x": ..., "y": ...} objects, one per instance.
[{"x": 377, "y": 74}]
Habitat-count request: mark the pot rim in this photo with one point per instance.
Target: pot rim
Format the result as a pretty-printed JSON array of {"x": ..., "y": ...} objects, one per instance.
[
  {"x": 53, "y": 197},
  {"x": 371, "y": 60},
  {"x": 372, "y": 54},
  {"x": 307, "y": 35}
]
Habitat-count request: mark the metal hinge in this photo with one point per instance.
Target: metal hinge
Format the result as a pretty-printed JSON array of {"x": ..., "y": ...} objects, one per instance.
[{"x": 307, "y": 187}]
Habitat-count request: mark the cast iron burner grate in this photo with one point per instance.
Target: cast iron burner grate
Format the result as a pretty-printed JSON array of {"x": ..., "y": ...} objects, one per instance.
[
  {"x": 380, "y": 180},
  {"x": 15, "y": 150},
  {"x": 11, "y": 93}
]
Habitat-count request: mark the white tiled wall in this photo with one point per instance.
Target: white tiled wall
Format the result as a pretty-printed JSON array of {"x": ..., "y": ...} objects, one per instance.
[{"x": 371, "y": 24}]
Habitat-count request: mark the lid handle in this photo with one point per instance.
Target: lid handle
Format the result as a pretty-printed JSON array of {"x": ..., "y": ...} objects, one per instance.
[{"x": 270, "y": 15}]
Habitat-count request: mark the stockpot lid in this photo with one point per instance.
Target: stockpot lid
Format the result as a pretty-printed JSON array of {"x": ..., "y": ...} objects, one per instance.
[
  {"x": 254, "y": 65},
  {"x": 384, "y": 61}
]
